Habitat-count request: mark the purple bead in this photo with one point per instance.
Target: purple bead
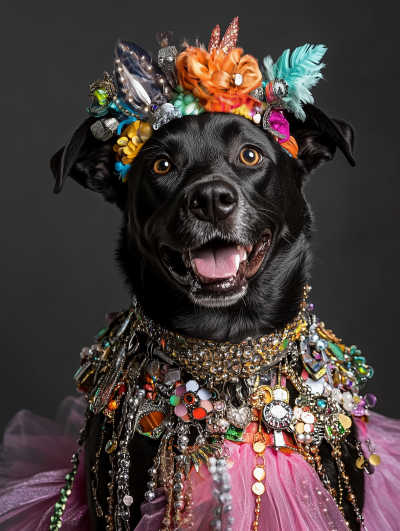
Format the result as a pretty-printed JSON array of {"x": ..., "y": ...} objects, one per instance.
[
  {"x": 317, "y": 355},
  {"x": 310, "y": 306},
  {"x": 358, "y": 411},
  {"x": 370, "y": 399}
]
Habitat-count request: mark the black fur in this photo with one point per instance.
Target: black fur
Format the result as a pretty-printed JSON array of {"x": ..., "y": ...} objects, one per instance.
[{"x": 155, "y": 211}]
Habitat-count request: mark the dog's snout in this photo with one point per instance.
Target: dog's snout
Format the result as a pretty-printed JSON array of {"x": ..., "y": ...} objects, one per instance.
[{"x": 212, "y": 201}]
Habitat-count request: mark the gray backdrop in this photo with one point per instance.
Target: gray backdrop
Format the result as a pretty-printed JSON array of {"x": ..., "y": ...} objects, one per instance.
[{"x": 58, "y": 272}]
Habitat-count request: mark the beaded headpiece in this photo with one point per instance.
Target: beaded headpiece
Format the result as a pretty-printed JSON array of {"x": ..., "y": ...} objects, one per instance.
[{"x": 148, "y": 95}]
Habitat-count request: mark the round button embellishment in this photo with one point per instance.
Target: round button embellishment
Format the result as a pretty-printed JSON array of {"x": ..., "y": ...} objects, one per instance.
[{"x": 277, "y": 414}]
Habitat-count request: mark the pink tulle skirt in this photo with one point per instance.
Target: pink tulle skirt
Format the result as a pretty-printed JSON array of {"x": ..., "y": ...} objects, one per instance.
[{"x": 36, "y": 455}]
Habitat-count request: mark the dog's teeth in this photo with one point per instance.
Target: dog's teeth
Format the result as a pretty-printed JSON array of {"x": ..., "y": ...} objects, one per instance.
[
  {"x": 238, "y": 247},
  {"x": 185, "y": 258},
  {"x": 237, "y": 259},
  {"x": 201, "y": 278},
  {"x": 245, "y": 256},
  {"x": 193, "y": 264}
]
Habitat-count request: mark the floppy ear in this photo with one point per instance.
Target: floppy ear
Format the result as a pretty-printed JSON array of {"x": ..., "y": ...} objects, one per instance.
[
  {"x": 90, "y": 162},
  {"x": 319, "y": 136}
]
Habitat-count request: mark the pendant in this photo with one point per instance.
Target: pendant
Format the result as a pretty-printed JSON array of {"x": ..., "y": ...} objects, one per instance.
[
  {"x": 278, "y": 414},
  {"x": 111, "y": 446}
]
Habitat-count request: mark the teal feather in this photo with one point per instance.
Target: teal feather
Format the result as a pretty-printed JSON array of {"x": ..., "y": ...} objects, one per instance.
[{"x": 301, "y": 71}]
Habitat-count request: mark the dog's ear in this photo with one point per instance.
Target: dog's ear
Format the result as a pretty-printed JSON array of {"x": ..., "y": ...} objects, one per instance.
[
  {"x": 319, "y": 136},
  {"x": 90, "y": 162}
]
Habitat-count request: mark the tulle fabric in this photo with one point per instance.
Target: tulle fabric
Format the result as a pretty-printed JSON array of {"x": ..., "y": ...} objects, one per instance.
[
  {"x": 34, "y": 459},
  {"x": 36, "y": 456},
  {"x": 382, "y": 489},
  {"x": 294, "y": 499}
]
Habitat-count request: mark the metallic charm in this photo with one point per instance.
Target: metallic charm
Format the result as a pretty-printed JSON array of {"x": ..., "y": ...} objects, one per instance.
[
  {"x": 163, "y": 115},
  {"x": 238, "y": 417},
  {"x": 104, "y": 129},
  {"x": 276, "y": 90},
  {"x": 166, "y": 61},
  {"x": 152, "y": 414},
  {"x": 105, "y": 86},
  {"x": 265, "y": 121},
  {"x": 257, "y": 93}
]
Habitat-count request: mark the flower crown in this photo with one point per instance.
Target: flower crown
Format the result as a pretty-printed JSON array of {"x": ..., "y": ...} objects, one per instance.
[{"x": 148, "y": 95}]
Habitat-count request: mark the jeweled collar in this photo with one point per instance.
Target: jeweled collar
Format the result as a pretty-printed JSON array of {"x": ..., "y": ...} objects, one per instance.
[{"x": 223, "y": 361}]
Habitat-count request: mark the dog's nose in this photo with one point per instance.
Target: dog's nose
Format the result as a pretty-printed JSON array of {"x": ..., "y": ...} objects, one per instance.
[{"x": 212, "y": 201}]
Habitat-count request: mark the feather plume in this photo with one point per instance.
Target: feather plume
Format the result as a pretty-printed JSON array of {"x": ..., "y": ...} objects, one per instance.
[{"x": 301, "y": 71}]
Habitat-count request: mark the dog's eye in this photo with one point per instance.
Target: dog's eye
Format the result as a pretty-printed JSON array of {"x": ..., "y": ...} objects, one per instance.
[
  {"x": 162, "y": 166},
  {"x": 249, "y": 156}
]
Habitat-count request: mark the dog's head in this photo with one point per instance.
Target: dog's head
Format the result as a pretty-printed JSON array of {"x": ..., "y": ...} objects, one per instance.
[{"x": 214, "y": 216}]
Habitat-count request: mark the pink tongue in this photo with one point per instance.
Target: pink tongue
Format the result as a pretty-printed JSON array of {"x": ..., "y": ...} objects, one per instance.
[{"x": 217, "y": 261}]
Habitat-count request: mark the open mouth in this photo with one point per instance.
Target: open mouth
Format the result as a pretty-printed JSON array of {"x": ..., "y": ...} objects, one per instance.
[{"x": 216, "y": 269}]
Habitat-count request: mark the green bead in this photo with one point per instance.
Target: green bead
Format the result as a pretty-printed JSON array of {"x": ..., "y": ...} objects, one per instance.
[
  {"x": 201, "y": 110},
  {"x": 189, "y": 108},
  {"x": 175, "y": 400},
  {"x": 100, "y": 333},
  {"x": 178, "y": 89},
  {"x": 69, "y": 476},
  {"x": 188, "y": 99},
  {"x": 195, "y": 112},
  {"x": 59, "y": 524},
  {"x": 54, "y": 519},
  {"x": 336, "y": 351},
  {"x": 101, "y": 95},
  {"x": 63, "y": 499},
  {"x": 178, "y": 103},
  {"x": 58, "y": 512},
  {"x": 234, "y": 434},
  {"x": 370, "y": 372},
  {"x": 284, "y": 344},
  {"x": 53, "y": 527}
]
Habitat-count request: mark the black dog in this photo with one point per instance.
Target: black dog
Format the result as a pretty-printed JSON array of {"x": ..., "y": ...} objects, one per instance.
[{"x": 205, "y": 183}]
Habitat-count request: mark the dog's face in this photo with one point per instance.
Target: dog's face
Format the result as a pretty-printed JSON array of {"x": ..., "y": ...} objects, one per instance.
[
  {"x": 214, "y": 216},
  {"x": 211, "y": 198}
]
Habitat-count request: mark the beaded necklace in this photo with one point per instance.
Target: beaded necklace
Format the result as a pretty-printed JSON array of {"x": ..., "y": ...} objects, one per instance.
[{"x": 167, "y": 386}]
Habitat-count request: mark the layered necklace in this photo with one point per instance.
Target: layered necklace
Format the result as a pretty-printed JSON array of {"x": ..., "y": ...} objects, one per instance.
[{"x": 145, "y": 380}]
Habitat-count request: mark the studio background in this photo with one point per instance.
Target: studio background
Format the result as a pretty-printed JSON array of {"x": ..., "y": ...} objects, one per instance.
[{"x": 59, "y": 277}]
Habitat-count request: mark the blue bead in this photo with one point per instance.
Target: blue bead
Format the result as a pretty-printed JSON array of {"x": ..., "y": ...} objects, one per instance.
[{"x": 321, "y": 403}]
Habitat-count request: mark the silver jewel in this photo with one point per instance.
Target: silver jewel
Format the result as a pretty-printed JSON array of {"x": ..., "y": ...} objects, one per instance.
[
  {"x": 257, "y": 93},
  {"x": 166, "y": 61},
  {"x": 238, "y": 417},
  {"x": 128, "y": 500},
  {"x": 277, "y": 414},
  {"x": 268, "y": 111},
  {"x": 163, "y": 115},
  {"x": 104, "y": 129}
]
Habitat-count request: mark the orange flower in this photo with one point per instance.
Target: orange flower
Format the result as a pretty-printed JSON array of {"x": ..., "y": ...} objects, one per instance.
[{"x": 221, "y": 82}]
